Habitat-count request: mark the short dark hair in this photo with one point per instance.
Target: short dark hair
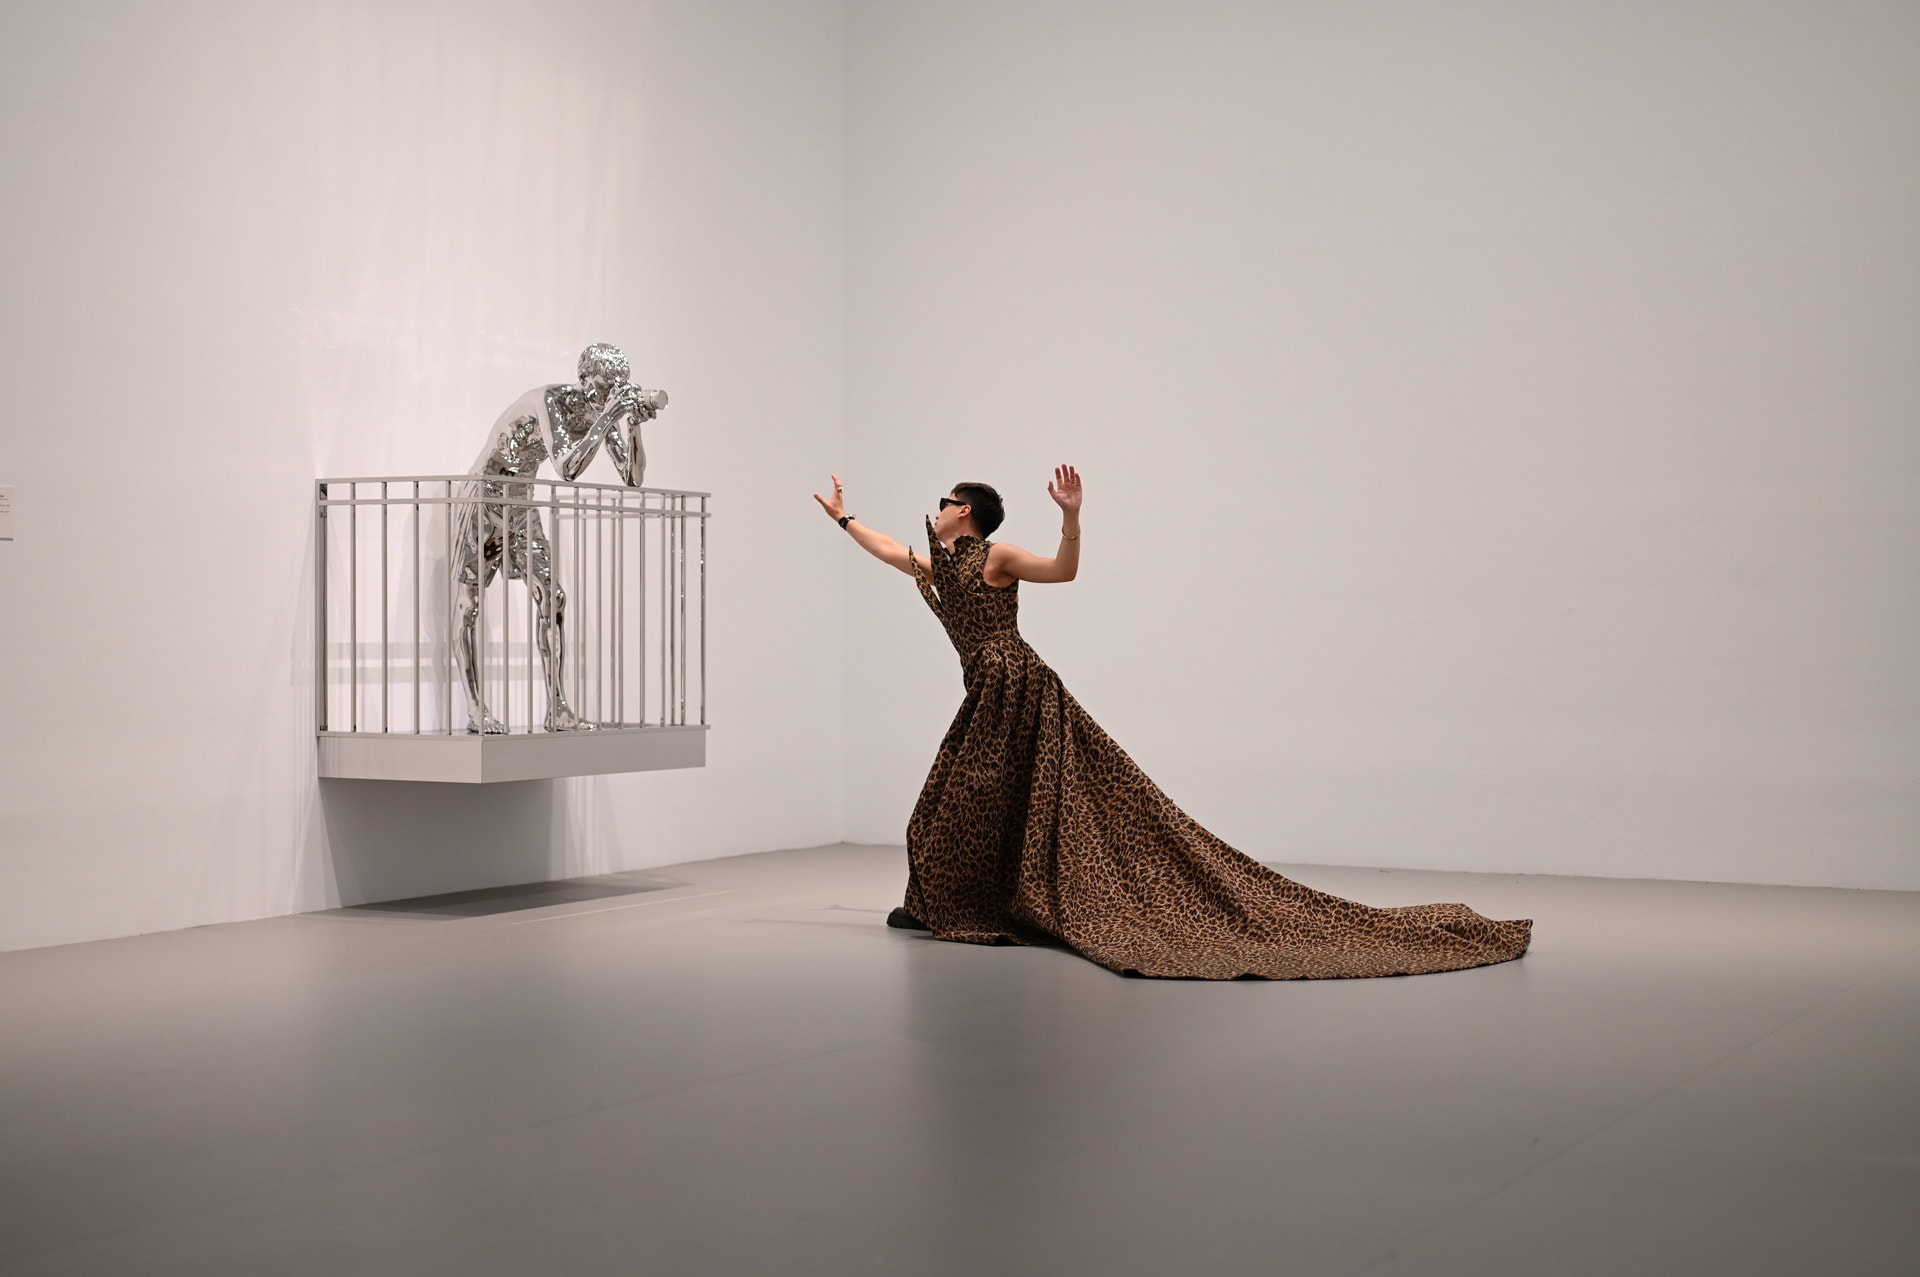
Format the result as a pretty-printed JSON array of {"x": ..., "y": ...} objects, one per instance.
[{"x": 987, "y": 510}]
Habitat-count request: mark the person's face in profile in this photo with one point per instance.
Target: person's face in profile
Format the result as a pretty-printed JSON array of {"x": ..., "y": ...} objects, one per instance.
[{"x": 946, "y": 524}]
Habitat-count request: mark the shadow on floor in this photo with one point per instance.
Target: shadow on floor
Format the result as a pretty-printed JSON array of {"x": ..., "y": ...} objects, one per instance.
[{"x": 489, "y": 901}]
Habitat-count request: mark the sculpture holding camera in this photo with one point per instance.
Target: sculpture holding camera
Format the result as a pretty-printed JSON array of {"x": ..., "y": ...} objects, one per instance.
[{"x": 498, "y": 526}]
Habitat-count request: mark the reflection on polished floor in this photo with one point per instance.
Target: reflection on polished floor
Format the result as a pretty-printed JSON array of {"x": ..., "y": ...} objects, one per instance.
[{"x": 733, "y": 1068}]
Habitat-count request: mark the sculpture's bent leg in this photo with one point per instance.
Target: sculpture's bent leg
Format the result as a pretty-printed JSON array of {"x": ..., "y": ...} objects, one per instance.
[
  {"x": 475, "y": 564},
  {"x": 550, "y": 625}
]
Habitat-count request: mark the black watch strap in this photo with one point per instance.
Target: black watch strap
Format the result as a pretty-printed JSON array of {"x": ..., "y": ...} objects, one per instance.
[{"x": 844, "y": 520}]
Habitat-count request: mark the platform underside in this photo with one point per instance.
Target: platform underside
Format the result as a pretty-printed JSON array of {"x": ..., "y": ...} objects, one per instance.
[{"x": 475, "y": 760}]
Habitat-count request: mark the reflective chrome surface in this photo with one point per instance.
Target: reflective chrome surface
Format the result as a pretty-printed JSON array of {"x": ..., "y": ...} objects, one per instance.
[{"x": 564, "y": 424}]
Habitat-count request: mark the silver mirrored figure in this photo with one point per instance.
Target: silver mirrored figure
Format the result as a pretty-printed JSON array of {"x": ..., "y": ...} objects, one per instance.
[{"x": 565, "y": 424}]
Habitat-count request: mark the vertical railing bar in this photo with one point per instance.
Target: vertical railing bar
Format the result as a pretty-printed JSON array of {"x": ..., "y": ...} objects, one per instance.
[
  {"x": 353, "y": 607},
  {"x": 703, "y": 611},
  {"x": 533, "y": 621},
  {"x": 673, "y": 613},
  {"x": 619, "y": 612},
  {"x": 506, "y": 617},
  {"x": 449, "y": 655},
  {"x": 507, "y": 697},
  {"x": 686, "y": 588},
  {"x": 600, "y": 607},
  {"x": 320, "y": 604},
  {"x": 626, "y": 631},
  {"x": 579, "y": 597},
  {"x": 505, "y": 577},
  {"x": 640, "y": 596},
  {"x": 501, "y": 695},
  {"x": 609, "y": 636},
  {"x": 480, "y": 529},
  {"x": 680, "y": 609},
  {"x": 613, "y": 609},
  {"x": 666, "y": 611},
  {"x": 386, "y": 660},
  {"x": 612, "y": 604},
  {"x": 639, "y": 663},
  {"x": 589, "y": 618},
  {"x": 667, "y": 615},
  {"x": 558, "y": 649},
  {"x": 415, "y": 572},
  {"x": 506, "y": 613},
  {"x": 672, "y": 617},
  {"x": 635, "y": 669}
]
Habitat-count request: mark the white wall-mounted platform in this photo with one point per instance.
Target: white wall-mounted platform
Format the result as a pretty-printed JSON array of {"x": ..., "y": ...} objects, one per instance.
[{"x": 476, "y": 760}]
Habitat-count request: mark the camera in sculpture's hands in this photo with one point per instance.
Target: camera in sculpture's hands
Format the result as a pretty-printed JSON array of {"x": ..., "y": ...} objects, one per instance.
[
  {"x": 646, "y": 402},
  {"x": 634, "y": 404}
]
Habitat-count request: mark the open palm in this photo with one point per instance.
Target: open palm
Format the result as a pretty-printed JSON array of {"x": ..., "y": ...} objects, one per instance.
[{"x": 1065, "y": 489}]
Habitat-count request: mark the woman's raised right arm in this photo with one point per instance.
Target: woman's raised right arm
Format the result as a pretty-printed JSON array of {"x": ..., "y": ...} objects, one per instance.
[{"x": 878, "y": 544}]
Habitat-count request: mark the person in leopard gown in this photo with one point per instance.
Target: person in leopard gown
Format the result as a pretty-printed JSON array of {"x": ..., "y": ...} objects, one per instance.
[{"x": 1034, "y": 827}]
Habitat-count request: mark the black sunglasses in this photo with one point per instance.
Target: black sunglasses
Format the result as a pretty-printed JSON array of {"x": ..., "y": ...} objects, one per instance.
[{"x": 947, "y": 501}]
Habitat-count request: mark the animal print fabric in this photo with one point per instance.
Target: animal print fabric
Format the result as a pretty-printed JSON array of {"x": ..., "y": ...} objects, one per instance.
[{"x": 1034, "y": 827}]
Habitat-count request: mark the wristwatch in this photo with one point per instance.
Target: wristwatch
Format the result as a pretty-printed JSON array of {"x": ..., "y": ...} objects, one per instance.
[{"x": 844, "y": 520}]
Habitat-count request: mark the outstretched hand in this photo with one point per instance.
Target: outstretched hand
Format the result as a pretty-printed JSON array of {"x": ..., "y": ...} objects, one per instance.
[
  {"x": 1065, "y": 489},
  {"x": 837, "y": 508}
]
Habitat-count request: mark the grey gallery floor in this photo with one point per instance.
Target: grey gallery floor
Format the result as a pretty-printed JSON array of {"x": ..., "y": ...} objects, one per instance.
[{"x": 733, "y": 1067}]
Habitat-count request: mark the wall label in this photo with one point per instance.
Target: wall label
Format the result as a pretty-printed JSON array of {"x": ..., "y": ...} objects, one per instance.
[{"x": 6, "y": 513}]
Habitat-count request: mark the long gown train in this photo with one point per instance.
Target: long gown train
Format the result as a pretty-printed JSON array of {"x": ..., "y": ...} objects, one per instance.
[{"x": 1034, "y": 827}]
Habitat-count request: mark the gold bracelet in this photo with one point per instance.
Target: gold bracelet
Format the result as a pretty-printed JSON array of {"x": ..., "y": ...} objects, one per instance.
[{"x": 1065, "y": 537}]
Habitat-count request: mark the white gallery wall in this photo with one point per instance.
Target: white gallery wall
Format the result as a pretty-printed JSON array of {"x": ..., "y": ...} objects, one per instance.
[
  {"x": 249, "y": 245},
  {"x": 1500, "y": 421}
]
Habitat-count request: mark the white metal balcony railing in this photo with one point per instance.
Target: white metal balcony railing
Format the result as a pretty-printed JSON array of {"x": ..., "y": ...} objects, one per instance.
[{"x": 618, "y": 642}]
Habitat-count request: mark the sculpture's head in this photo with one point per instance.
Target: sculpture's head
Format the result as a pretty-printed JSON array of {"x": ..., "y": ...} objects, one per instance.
[{"x": 602, "y": 367}]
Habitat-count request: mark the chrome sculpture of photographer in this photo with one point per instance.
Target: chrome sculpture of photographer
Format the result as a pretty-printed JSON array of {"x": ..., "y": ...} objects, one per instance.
[{"x": 566, "y": 424}]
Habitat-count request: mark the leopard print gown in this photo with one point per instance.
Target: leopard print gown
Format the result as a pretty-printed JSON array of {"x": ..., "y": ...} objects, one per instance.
[{"x": 1034, "y": 827}]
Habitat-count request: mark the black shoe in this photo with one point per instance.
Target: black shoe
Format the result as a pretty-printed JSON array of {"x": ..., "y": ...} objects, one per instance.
[{"x": 905, "y": 921}]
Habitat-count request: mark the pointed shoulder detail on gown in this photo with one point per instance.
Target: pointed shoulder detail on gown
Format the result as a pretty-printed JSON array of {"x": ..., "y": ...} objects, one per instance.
[
  {"x": 946, "y": 563},
  {"x": 926, "y": 577}
]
